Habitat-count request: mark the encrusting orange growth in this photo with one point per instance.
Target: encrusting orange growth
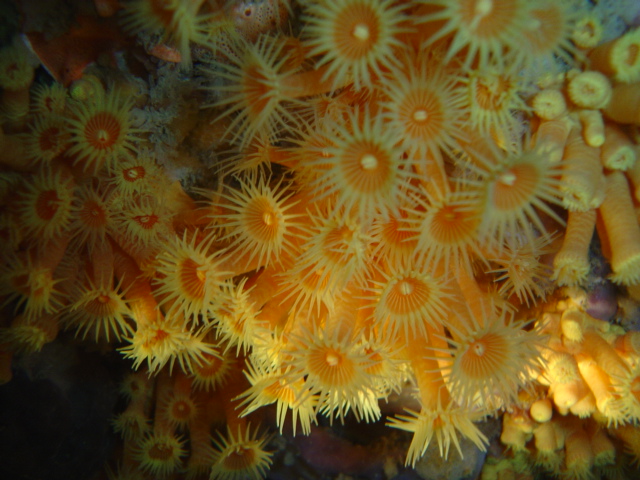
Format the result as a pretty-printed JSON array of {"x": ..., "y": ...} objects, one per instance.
[{"x": 401, "y": 201}]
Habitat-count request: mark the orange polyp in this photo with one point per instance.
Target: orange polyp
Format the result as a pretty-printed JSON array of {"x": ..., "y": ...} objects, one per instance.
[
  {"x": 91, "y": 218},
  {"x": 484, "y": 29},
  {"x": 102, "y": 130},
  {"x": 440, "y": 417},
  {"x": 624, "y": 106},
  {"x": 618, "y": 152},
  {"x": 515, "y": 187},
  {"x": 600, "y": 385},
  {"x": 189, "y": 276},
  {"x": 48, "y": 139},
  {"x": 604, "y": 355},
  {"x": 633, "y": 174},
  {"x": 365, "y": 231},
  {"x": 587, "y": 32},
  {"x": 549, "y": 104},
  {"x": 16, "y": 76},
  {"x": 592, "y": 127},
  {"x": 49, "y": 99},
  {"x": 477, "y": 301},
  {"x": 365, "y": 175},
  {"x": 578, "y": 454},
  {"x": 102, "y": 261},
  {"x": 571, "y": 263},
  {"x": 589, "y": 89},
  {"x": 492, "y": 96},
  {"x": 622, "y": 230},
  {"x": 143, "y": 304},
  {"x": 582, "y": 184},
  {"x": 241, "y": 454},
  {"x": 551, "y": 137},
  {"x": 134, "y": 174},
  {"x": 547, "y": 33},
  {"x": 162, "y": 11},
  {"x": 405, "y": 300},
  {"x": 429, "y": 379},
  {"x": 106, "y": 8},
  {"x": 356, "y": 38},
  {"x": 13, "y": 151},
  {"x": 310, "y": 83},
  {"x": 46, "y": 204},
  {"x": 619, "y": 58},
  {"x": 146, "y": 222}
]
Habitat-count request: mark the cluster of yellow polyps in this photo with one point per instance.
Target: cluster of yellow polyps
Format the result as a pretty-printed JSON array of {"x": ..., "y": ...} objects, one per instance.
[{"x": 402, "y": 186}]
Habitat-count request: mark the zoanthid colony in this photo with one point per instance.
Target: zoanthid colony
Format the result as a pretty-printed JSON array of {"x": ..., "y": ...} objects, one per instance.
[{"x": 317, "y": 204}]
